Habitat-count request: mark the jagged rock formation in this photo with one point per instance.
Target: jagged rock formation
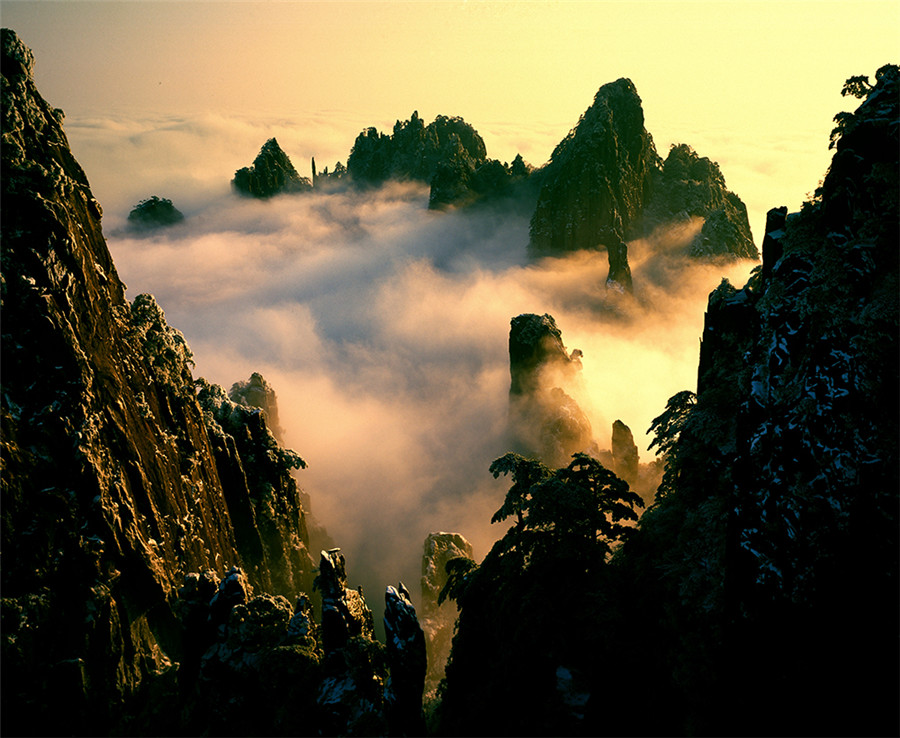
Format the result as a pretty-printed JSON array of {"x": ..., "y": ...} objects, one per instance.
[
  {"x": 414, "y": 150},
  {"x": 689, "y": 186},
  {"x": 154, "y": 212},
  {"x": 772, "y": 247},
  {"x": 626, "y": 461},
  {"x": 439, "y": 620},
  {"x": 258, "y": 666},
  {"x": 619, "y": 277},
  {"x": 263, "y": 498},
  {"x": 110, "y": 487},
  {"x": 783, "y": 469},
  {"x": 605, "y": 184},
  {"x": 544, "y": 420},
  {"x": 599, "y": 176},
  {"x": 407, "y": 665},
  {"x": 368, "y": 689},
  {"x": 448, "y": 154},
  {"x": 256, "y": 392},
  {"x": 345, "y": 614},
  {"x": 271, "y": 174}
]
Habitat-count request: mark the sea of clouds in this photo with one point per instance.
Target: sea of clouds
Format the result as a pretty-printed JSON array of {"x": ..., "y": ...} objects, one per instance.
[{"x": 383, "y": 326}]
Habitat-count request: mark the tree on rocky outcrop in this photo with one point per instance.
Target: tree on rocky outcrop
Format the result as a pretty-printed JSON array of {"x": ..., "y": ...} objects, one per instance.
[
  {"x": 523, "y": 610},
  {"x": 448, "y": 154},
  {"x": 414, "y": 150},
  {"x": 154, "y": 212},
  {"x": 270, "y": 174}
]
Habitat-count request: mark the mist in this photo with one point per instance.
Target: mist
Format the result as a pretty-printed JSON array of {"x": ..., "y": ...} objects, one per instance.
[{"x": 383, "y": 328}]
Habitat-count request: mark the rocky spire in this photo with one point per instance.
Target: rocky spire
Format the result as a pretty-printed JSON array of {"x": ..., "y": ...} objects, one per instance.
[
  {"x": 625, "y": 453},
  {"x": 406, "y": 663},
  {"x": 599, "y": 175},
  {"x": 438, "y": 621},
  {"x": 619, "y": 277},
  {"x": 271, "y": 174},
  {"x": 256, "y": 392},
  {"x": 544, "y": 419}
]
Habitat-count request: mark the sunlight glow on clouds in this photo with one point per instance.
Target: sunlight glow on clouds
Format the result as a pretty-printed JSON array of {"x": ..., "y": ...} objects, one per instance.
[{"x": 383, "y": 328}]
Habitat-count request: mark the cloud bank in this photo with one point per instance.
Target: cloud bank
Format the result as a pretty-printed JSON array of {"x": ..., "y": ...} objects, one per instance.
[{"x": 383, "y": 326}]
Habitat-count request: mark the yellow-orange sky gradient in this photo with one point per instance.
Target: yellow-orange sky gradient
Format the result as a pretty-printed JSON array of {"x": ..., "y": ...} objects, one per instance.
[{"x": 752, "y": 85}]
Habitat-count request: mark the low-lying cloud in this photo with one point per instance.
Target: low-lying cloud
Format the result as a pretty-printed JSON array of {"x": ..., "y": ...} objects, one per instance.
[{"x": 383, "y": 328}]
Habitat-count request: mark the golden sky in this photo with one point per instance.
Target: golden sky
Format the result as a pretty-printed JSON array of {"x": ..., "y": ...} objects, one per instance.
[{"x": 753, "y": 85}]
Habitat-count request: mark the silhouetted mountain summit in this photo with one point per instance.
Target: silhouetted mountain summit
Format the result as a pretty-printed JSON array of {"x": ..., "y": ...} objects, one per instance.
[
  {"x": 605, "y": 184},
  {"x": 448, "y": 154},
  {"x": 270, "y": 174},
  {"x": 599, "y": 176}
]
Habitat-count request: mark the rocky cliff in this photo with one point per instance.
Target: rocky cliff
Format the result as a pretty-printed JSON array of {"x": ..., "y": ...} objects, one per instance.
[
  {"x": 543, "y": 418},
  {"x": 762, "y": 584},
  {"x": 690, "y": 186},
  {"x": 119, "y": 479},
  {"x": 605, "y": 184}
]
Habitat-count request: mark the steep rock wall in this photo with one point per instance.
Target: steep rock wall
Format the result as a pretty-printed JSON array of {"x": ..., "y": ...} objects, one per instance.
[{"x": 110, "y": 488}]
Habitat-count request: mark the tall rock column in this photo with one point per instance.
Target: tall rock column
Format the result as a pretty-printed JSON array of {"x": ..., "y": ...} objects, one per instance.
[
  {"x": 544, "y": 420},
  {"x": 599, "y": 176},
  {"x": 406, "y": 664},
  {"x": 439, "y": 620}
]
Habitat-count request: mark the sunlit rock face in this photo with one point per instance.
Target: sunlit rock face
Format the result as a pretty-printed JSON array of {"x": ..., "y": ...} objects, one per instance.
[
  {"x": 110, "y": 488},
  {"x": 263, "y": 498},
  {"x": 270, "y": 174},
  {"x": 599, "y": 176},
  {"x": 257, "y": 392},
  {"x": 543, "y": 418},
  {"x": 439, "y": 620}
]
